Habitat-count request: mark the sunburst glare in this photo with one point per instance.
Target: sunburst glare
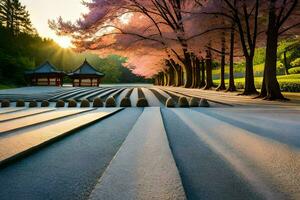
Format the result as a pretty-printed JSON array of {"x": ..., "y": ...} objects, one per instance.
[{"x": 63, "y": 41}]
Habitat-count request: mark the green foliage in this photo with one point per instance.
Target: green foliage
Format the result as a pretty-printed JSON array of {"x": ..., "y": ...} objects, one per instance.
[
  {"x": 289, "y": 51},
  {"x": 5, "y": 86},
  {"x": 288, "y": 83},
  {"x": 294, "y": 70},
  {"x": 289, "y": 47},
  {"x": 296, "y": 62},
  {"x": 22, "y": 52},
  {"x": 259, "y": 56},
  {"x": 259, "y": 69},
  {"x": 15, "y": 17}
]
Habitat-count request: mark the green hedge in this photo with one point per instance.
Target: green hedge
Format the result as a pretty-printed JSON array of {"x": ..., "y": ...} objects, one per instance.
[
  {"x": 294, "y": 70},
  {"x": 296, "y": 62},
  {"x": 288, "y": 83},
  {"x": 284, "y": 86}
]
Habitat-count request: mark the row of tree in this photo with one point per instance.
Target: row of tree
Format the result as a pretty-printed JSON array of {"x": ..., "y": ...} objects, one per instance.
[{"x": 172, "y": 38}]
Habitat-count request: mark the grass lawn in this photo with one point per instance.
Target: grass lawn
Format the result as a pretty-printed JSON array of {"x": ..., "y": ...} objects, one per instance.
[
  {"x": 239, "y": 70},
  {"x": 3, "y": 87},
  {"x": 292, "y": 78},
  {"x": 285, "y": 81}
]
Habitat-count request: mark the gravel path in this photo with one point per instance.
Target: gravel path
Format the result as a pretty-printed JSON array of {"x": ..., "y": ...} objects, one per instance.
[
  {"x": 134, "y": 97},
  {"x": 144, "y": 167},
  {"x": 151, "y": 98},
  {"x": 69, "y": 168},
  {"x": 16, "y": 145},
  {"x": 39, "y": 118},
  {"x": 269, "y": 167},
  {"x": 246, "y": 150}
]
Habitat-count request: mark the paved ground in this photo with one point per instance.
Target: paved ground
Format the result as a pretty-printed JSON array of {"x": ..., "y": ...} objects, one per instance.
[{"x": 239, "y": 148}]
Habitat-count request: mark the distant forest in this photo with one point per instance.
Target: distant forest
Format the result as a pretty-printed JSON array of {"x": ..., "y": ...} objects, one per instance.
[{"x": 22, "y": 49}]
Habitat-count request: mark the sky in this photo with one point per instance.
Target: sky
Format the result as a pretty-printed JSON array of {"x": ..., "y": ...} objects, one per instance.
[{"x": 43, "y": 10}]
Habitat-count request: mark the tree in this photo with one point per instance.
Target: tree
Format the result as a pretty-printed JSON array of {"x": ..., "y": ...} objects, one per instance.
[
  {"x": 231, "y": 86},
  {"x": 223, "y": 51},
  {"x": 279, "y": 13},
  {"x": 159, "y": 21},
  {"x": 14, "y": 16},
  {"x": 208, "y": 69}
]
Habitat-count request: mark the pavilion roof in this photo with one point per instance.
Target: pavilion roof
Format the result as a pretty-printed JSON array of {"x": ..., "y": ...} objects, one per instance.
[
  {"x": 86, "y": 69},
  {"x": 45, "y": 68}
]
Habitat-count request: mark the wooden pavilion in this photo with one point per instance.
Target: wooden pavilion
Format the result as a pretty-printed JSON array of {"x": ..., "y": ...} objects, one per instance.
[
  {"x": 86, "y": 75},
  {"x": 45, "y": 75}
]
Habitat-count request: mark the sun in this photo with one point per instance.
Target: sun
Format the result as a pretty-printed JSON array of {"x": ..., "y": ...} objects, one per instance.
[{"x": 63, "y": 41}]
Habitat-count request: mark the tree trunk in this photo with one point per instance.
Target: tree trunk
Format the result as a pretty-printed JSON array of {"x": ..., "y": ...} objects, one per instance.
[
  {"x": 209, "y": 82},
  {"x": 193, "y": 74},
  {"x": 202, "y": 83},
  {"x": 176, "y": 70},
  {"x": 170, "y": 72},
  {"x": 171, "y": 76},
  {"x": 249, "y": 78},
  {"x": 270, "y": 86},
  {"x": 222, "y": 83},
  {"x": 179, "y": 67},
  {"x": 188, "y": 70},
  {"x": 165, "y": 79},
  {"x": 175, "y": 74},
  {"x": 197, "y": 72},
  {"x": 161, "y": 79},
  {"x": 194, "y": 71},
  {"x": 155, "y": 80},
  {"x": 188, "y": 77},
  {"x": 175, "y": 78},
  {"x": 231, "y": 87}
]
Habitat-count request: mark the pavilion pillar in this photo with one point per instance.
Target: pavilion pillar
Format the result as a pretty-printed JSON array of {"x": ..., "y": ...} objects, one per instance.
[{"x": 79, "y": 82}]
